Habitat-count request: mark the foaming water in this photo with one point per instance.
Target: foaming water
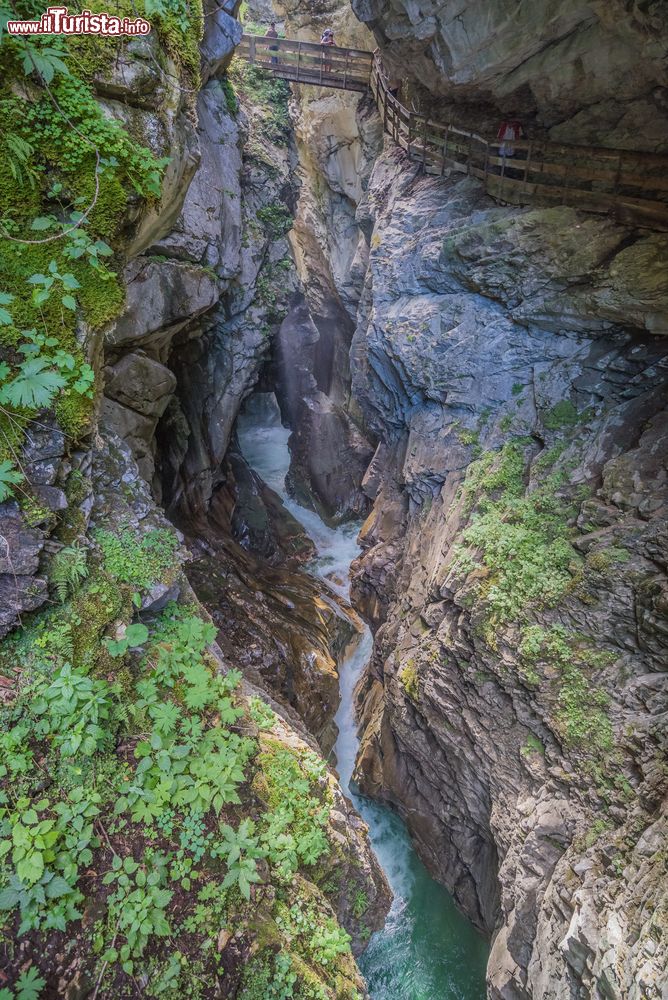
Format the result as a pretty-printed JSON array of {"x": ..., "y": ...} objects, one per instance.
[
  {"x": 264, "y": 445},
  {"x": 427, "y": 950}
]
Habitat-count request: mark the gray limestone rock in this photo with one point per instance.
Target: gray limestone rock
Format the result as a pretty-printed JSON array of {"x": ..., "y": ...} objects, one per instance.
[
  {"x": 162, "y": 296},
  {"x": 222, "y": 33},
  {"x": 141, "y": 383},
  {"x": 592, "y": 71},
  {"x": 21, "y": 588},
  {"x": 478, "y": 327},
  {"x": 208, "y": 229}
]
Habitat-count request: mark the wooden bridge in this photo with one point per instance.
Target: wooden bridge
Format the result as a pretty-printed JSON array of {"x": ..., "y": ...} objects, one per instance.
[
  {"x": 631, "y": 186},
  {"x": 307, "y": 62}
]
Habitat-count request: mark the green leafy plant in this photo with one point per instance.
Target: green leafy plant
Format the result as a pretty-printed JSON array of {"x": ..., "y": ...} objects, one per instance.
[
  {"x": 137, "y": 908},
  {"x": 276, "y": 218},
  {"x": 29, "y": 985},
  {"x": 68, "y": 569},
  {"x": 46, "y": 843},
  {"x": 44, "y": 60},
  {"x": 72, "y": 709},
  {"x": 138, "y": 560},
  {"x": 266, "y": 99},
  {"x": 410, "y": 680},
  {"x": 294, "y": 831},
  {"x": 44, "y": 283},
  {"x": 269, "y": 977},
  {"x": 9, "y": 477},
  {"x": 240, "y": 849},
  {"x": 34, "y": 387},
  {"x": 6, "y": 299},
  {"x": 135, "y": 636},
  {"x": 18, "y": 155},
  {"x": 328, "y": 942},
  {"x": 581, "y": 719},
  {"x": 523, "y": 537},
  {"x": 40, "y": 377},
  {"x": 262, "y": 715}
]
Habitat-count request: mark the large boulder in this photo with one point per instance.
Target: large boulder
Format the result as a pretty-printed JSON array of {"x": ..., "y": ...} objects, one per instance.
[
  {"x": 137, "y": 392},
  {"x": 162, "y": 296}
]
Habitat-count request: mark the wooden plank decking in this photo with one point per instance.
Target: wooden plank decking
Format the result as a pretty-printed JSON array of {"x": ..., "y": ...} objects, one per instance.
[{"x": 631, "y": 186}]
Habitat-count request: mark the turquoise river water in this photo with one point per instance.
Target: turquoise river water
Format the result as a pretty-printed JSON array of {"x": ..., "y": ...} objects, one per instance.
[{"x": 427, "y": 950}]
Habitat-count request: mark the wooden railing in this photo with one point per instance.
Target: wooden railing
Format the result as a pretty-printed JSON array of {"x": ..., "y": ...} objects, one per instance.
[
  {"x": 631, "y": 186},
  {"x": 307, "y": 62}
]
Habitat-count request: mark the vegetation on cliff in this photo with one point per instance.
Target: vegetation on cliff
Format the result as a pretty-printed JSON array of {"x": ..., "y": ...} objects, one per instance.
[
  {"x": 161, "y": 830},
  {"x": 149, "y": 815},
  {"x": 67, "y": 174},
  {"x": 519, "y": 544}
]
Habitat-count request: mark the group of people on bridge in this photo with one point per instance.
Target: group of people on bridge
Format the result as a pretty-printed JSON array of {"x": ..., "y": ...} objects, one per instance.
[{"x": 326, "y": 40}]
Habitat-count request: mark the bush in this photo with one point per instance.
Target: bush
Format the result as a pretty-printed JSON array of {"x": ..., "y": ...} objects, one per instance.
[{"x": 138, "y": 560}]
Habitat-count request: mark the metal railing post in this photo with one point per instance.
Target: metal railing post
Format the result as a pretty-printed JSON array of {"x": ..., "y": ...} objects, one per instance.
[
  {"x": 528, "y": 162},
  {"x": 445, "y": 149}
]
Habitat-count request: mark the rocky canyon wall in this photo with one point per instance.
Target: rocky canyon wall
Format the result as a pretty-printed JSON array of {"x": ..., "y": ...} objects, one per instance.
[
  {"x": 205, "y": 276},
  {"x": 512, "y": 366},
  {"x": 337, "y": 136},
  {"x": 583, "y": 71},
  {"x": 513, "y": 569}
]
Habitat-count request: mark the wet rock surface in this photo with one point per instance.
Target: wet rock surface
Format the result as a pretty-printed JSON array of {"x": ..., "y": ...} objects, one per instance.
[
  {"x": 277, "y": 625},
  {"x": 484, "y": 333},
  {"x": 331, "y": 455}
]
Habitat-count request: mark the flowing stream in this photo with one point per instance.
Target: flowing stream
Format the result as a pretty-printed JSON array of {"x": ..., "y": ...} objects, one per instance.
[{"x": 427, "y": 949}]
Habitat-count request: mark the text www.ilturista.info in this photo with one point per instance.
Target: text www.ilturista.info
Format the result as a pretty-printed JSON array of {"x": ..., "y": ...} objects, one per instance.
[{"x": 58, "y": 21}]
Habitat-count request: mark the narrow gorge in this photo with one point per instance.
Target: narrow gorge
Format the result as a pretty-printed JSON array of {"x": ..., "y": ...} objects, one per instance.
[{"x": 333, "y": 537}]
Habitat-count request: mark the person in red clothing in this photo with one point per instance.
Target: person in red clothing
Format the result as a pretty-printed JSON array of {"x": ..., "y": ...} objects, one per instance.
[{"x": 508, "y": 132}]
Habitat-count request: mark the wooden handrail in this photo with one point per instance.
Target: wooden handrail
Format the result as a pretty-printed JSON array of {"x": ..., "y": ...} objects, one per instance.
[{"x": 633, "y": 186}]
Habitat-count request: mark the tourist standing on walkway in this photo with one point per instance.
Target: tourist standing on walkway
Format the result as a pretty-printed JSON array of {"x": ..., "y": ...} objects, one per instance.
[
  {"x": 272, "y": 33},
  {"x": 327, "y": 39},
  {"x": 508, "y": 132}
]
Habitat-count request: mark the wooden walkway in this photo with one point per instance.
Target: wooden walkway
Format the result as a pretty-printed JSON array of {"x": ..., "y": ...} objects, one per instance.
[
  {"x": 307, "y": 62},
  {"x": 633, "y": 187}
]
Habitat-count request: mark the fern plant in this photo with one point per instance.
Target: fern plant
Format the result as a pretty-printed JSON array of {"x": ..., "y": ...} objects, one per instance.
[
  {"x": 68, "y": 570},
  {"x": 18, "y": 154},
  {"x": 9, "y": 477}
]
